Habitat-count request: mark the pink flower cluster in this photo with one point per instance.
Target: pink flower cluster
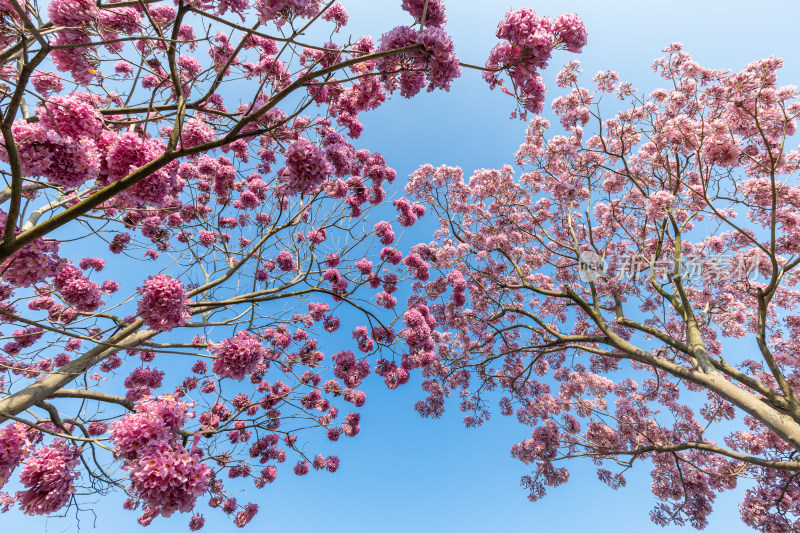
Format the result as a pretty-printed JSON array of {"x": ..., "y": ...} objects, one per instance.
[
  {"x": 33, "y": 263},
  {"x": 118, "y": 243},
  {"x": 348, "y": 369},
  {"x": 570, "y": 32},
  {"x": 244, "y": 516},
  {"x": 141, "y": 382},
  {"x": 61, "y": 159},
  {"x": 528, "y": 42},
  {"x": 169, "y": 478},
  {"x": 273, "y": 9},
  {"x": 74, "y": 116},
  {"x": 434, "y": 15},
  {"x": 306, "y": 167},
  {"x": 73, "y": 13},
  {"x": 391, "y": 255},
  {"x": 658, "y": 204},
  {"x": 285, "y": 261},
  {"x": 330, "y": 463},
  {"x": 383, "y": 230},
  {"x": 196, "y": 132},
  {"x": 163, "y": 303},
  {"x": 155, "y": 420},
  {"x": 459, "y": 285},
  {"x": 393, "y": 375},
  {"x": 237, "y": 356},
  {"x": 49, "y": 478},
  {"x": 417, "y": 266},
  {"x": 351, "y": 425},
  {"x": 78, "y": 291},
  {"x": 365, "y": 343},
  {"x": 23, "y": 338},
  {"x": 15, "y": 445},
  {"x": 338, "y": 282},
  {"x": 436, "y": 62},
  {"x": 337, "y": 14},
  {"x": 408, "y": 213},
  {"x": 127, "y": 152},
  {"x": 419, "y": 326},
  {"x": 77, "y": 16},
  {"x": 163, "y": 473}
]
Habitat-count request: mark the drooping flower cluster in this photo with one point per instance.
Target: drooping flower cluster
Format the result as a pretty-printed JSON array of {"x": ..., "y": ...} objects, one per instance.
[
  {"x": 435, "y": 60},
  {"x": 272, "y": 9},
  {"x": 76, "y": 16},
  {"x": 528, "y": 43},
  {"x": 169, "y": 478},
  {"x": 15, "y": 445},
  {"x": 163, "y": 303},
  {"x": 348, "y": 369},
  {"x": 63, "y": 160},
  {"x": 164, "y": 475},
  {"x": 383, "y": 230},
  {"x": 337, "y": 14},
  {"x": 49, "y": 478},
  {"x": 417, "y": 266},
  {"x": 141, "y": 382},
  {"x": 306, "y": 167},
  {"x": 156, "y": 420},
  {"x": 433, "y": 12},
  {"x": 237, "y": 356},
  {"x": 419, "y": 325},
  {"x": 408, "y": 213},
  {"x": 77, "y": 290}
]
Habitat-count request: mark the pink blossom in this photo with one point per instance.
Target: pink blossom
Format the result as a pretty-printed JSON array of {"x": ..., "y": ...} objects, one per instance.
[
  {"x": 46, "y": 83},
  {"x": 73, "y": 13},
  {"x": 658, "y": 204},
  {"x": 285, "y": 261},
  {"x": 163, "y": 303},
  {"x": 49, "y": 478},
  {"x": 95, "y": 263},
  {"x": 437, "y": 61},
  {"x": 168, "y": 478},
  {"x": 306, "y": 167},
  {"x": 337, "y": 14},
  {"x": 15, "y": 445},
  {"x": 391, "y": 255},
  {"x": 60, "y": 159},
  {"x": 434, "y": 15},
  {"x": 348, "y": 369},
  {"x": 118, "y": 242},
  {"x": 78, "y": 290},
  {"x": 196, "y": 132},
  {"x": 301, "y": 468},
  {"x": 383, "y": 230},
  {"x": 272, "y": 9},
  {"x": 571, "y": 32},
  {"x": 197, "y": 522},
  {"x": 332, "y": 260},
  {"x": 237, "y": 356}
]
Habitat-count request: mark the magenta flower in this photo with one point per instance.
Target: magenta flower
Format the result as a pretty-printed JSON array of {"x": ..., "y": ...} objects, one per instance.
[
  {"x": 163, "y": 305},
  {"x": 237, "y": 356},
  {"x": 49, "y": 478}
]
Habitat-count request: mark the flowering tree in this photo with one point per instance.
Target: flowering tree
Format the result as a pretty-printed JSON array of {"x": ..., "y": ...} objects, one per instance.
[
  {"x": 199, "y": 155},
  {"x": 632, "y": 294}
]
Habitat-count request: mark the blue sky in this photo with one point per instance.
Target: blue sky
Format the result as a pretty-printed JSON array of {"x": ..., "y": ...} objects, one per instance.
[{"x": 403, "y": 473}]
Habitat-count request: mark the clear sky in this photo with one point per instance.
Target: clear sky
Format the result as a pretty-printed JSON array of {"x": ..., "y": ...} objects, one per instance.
[{"x": 402, "y": 473}]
